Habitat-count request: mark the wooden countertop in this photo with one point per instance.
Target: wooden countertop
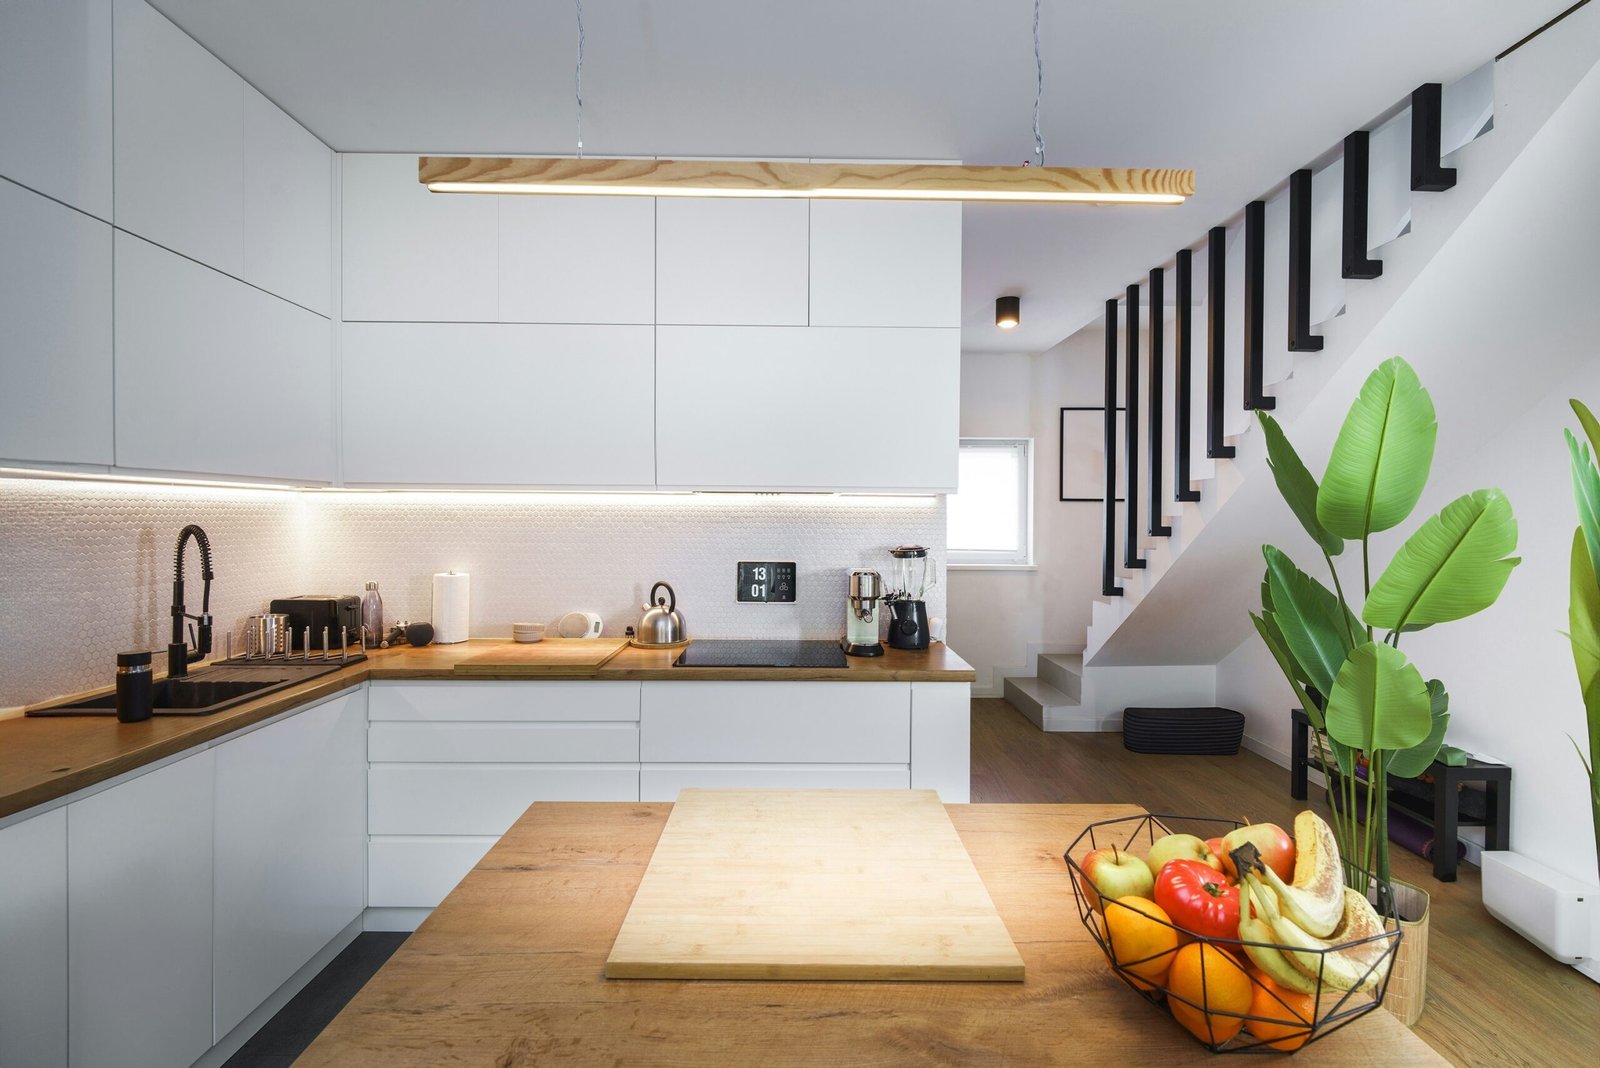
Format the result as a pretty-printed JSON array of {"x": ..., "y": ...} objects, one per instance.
[
  {"x": 508, "y": 970},
  {"x": 45, "y": 759}
]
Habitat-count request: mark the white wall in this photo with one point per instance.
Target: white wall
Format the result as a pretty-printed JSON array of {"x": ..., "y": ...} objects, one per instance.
[
  {"x": 86, "y": 567},
  {"x": 995, "y": 616},
  {"x": 1503, "y": 327}
]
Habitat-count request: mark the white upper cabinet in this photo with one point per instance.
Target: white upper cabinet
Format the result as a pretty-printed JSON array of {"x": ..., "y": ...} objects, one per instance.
[
  {"x": 55, "y": 99},
  {"x": 33, "y": 941},
  {"x": 55, "y": 314},
  {"x": 576, "y": 259},
  {"x": 817, "y": 408},
  {"x": 180, "y": 136},
  {"x": 729, "y": 261},
  {"x": 885, "y": 264},
  {"x": 288, "y": 203},
  {"x": 139, "y": 900},
  {"x": 412, "y": 255},
  {"x": 291, "y": 837},
  {"x": 216, "y": 377},
  {"x": 492, "y": 404}
]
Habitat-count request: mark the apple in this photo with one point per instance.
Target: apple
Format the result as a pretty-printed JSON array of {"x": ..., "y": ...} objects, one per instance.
[
  {"x": 1275, "y": 845},
  {"x": 1112, "y": 872},
  {"x": 1180, "y": 847}
]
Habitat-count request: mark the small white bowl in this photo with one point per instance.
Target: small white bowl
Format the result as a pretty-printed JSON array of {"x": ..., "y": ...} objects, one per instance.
[{"x": 527, "y": 632}]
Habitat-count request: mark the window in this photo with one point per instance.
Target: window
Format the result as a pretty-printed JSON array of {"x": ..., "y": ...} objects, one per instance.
[{"x": 990, "y": 516}]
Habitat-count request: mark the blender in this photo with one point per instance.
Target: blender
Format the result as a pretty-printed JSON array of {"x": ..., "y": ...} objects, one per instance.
[
  {"x": 861, "y": 618},
  {"x": 908, "y": 612}
]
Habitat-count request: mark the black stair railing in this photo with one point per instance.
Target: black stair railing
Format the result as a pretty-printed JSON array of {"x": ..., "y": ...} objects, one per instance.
[
  {"x": 1216, "y": 368},
  {"x": 1255, "y": 305},
  {"x": 1183, "y": 375},
  {"x": 1427, "y": 122},
  {"x": 1130, "y": 535},
  {"x": 1155, "y": 409},
  {"x": 1301, "y": 339},
  {"x": 1108, "y": 567},
  {"x": 1357, "y": 167}
]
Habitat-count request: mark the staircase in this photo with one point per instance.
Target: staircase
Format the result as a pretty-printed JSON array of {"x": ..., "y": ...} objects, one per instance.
[
  {"x": 1188, "y": 603},
  {"x": 1185, "y": 609}
]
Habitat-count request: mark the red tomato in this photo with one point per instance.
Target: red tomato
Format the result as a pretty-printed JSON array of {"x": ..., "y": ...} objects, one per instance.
[{"x": 1199, "y": 899}]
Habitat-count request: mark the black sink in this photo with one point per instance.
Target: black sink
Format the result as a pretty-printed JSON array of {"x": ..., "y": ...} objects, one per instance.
[{"x": 206, "y": 691}]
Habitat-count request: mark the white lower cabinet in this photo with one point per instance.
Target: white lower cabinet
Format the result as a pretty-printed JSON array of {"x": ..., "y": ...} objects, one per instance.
[
  {"x": 416, "y": 871},
  {"x": 941, "y": 739},
  {"x": 661, "y": 782},
  {"x": 139, "y": 898},
  {"x": 453, "y": 764},
  {"x": 33, "y": 941},
  {"x": 773, "y": 722},
  {"x": 290, "y": 837}
]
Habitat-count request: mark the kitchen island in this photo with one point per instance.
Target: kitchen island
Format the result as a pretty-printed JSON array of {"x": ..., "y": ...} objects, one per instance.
[{"x": 508, "y": 970}]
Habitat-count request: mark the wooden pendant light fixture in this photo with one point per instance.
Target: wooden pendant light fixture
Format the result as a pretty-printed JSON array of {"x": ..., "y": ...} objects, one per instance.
[
  {"x": 591, "y": 176},
  {"x": 587, "y": 176}
]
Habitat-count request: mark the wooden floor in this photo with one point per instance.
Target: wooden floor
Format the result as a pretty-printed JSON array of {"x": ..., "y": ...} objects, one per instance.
[{"x": 1493, "y": 999}]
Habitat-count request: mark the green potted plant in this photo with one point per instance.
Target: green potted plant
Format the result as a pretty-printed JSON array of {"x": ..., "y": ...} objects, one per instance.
[
  {"x": 1583, "y": 611},
  {"x": 1367, "y": 703}
]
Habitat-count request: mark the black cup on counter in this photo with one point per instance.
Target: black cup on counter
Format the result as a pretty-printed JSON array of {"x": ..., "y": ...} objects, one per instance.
[{"x": 135, "y": 687}]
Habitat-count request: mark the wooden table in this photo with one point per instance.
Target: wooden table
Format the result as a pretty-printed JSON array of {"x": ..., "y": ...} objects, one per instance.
[{"x": 507, "y": 972}]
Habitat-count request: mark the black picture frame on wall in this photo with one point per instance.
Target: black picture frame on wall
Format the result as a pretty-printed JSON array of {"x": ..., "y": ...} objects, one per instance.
[{"x": 1082, "y": 428}]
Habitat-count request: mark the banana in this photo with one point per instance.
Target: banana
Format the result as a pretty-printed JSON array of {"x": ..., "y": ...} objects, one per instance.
[
  {"x": 1351, "y": 968},
  {"x": 1315, "y": 900},
  {"x": 1253, "y": 927}
]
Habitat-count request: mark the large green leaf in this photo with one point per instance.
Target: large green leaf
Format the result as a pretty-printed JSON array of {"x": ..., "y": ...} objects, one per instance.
[
  {"x": 1455, "y": 564},
  {"x": 1591, "y": 426},
  {"x": 1583, "y": 619},
  {"x": 1409, "y": 763},
  {"x": 1297, "y": 485},
  {"x": 1586, "y": 492},
  {"x": 1379, "y": 701},
  {"x": 1286, "y": 665},
  {"x": 1318, "y": 632},
  {"x": 1381, "y": 458}
]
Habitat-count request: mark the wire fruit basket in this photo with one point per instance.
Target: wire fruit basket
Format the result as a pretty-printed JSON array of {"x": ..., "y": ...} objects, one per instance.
[{"x": 1276, "y": 1021}]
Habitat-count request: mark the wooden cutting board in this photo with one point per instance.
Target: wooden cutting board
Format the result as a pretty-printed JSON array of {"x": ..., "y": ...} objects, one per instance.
[
  {"x": 812, "y": 884},
  {"x": 573, "y": 658}
]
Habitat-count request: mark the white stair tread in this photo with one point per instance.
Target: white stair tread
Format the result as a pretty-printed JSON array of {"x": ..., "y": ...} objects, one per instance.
[{"x": 1044, "y": 694}]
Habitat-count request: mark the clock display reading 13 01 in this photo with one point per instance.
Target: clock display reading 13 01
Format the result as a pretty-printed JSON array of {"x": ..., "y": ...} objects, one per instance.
[{"x": 766, "y": 582}]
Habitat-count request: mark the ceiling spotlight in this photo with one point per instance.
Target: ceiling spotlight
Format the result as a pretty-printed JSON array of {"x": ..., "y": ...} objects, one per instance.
[{"x": 1007, "y": 312}]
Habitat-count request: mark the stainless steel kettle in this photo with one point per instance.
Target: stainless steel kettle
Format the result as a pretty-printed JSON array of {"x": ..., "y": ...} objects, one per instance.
[{"x": 662, "y": 624}]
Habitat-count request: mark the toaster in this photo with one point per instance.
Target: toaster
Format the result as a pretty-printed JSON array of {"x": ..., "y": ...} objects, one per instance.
[{"x": 317, "y": 611}]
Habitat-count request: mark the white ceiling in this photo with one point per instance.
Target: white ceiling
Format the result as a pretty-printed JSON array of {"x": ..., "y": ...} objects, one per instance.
[{"x": 1244, "y": 91}]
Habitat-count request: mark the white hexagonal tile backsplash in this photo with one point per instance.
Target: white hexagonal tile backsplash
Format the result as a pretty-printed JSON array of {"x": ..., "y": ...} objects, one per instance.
[{"x": 86, "y": 567}]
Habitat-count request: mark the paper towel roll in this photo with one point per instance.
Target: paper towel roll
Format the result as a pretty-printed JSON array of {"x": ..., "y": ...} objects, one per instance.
[{"x": 450, "y": 605}]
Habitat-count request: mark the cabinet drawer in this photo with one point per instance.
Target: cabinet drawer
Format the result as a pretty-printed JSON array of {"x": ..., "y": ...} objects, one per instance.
[
  {"x": 787, "y": 722},
  {"x": 439, "y": 743},
  {"x": 483, "y": 798},
  {"x": 661, "y": 782},
  {"x": 498, "y": 701},
  {"x": 419, "y": 872}
]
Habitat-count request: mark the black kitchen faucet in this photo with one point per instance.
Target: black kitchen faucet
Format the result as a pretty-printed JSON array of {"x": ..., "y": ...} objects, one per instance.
[{"x": 179, "y": 656}]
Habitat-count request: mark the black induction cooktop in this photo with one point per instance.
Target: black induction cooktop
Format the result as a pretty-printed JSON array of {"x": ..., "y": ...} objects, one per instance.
[{"x": 762, "y": 654}]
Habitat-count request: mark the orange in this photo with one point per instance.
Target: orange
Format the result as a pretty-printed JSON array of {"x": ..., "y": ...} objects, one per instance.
[
  {"x": 1216, "y": 984},
  {"x": 1140, "y": 938},
  {"x": 1287, "y": 1015}
]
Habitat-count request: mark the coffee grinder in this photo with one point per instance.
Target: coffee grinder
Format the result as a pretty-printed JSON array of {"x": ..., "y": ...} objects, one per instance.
[
  {"x": 861, "y": 618},
  {"x": 908, "y": 611}
]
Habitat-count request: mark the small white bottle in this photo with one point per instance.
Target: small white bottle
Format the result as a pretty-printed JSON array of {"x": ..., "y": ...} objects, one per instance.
[{"x": 372, "y": 615}]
